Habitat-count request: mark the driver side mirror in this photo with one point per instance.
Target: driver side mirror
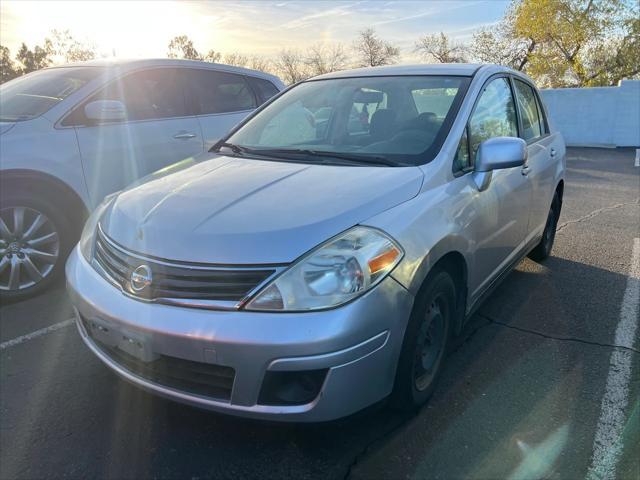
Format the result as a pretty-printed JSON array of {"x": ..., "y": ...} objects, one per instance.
[
  {"x": 496, "y": 154},
  {"x": 100, "y": 111}
]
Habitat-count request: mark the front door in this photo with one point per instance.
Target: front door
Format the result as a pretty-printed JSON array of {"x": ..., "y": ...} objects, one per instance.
[
  {"x": 500, "y": 226},
  {"x": 157, "y": 132}
]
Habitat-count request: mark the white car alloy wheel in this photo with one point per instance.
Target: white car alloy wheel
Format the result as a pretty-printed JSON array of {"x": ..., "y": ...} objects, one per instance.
[{"x": 29, "y": 248}]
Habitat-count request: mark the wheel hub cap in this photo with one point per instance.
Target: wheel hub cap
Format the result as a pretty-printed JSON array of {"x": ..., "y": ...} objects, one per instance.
[
  {"x": 29, "y": 247},
  {"x": 429, "y": 345},
  {"x": 14, "y": 247}
]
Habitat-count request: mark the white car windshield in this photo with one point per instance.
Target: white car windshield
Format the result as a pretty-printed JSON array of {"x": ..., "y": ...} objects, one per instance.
[
  {"x": 401, "y": 119},
  {"x": 32, "y": 95}
]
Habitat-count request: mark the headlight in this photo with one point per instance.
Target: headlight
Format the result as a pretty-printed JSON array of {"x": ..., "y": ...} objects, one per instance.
[
  {"x": 336, "y": 272},
  {"x": 87, "y": 239}
]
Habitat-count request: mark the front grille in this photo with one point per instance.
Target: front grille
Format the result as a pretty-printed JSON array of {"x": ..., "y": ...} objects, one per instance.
[
  {"x": 177, "y": 280},
  {"x": 204, "y": 379}
]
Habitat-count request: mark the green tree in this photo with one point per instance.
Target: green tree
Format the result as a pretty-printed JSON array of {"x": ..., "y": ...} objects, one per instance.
[
  {"x": 212, "y": 56},
  {"x": 566, "y": 42},
  {"x": 615, "y": 58},
  {"x": 501, "y": 44},
  {"x": 8, "y": 69},
  {"x": 182, "y": 47},
  {"x": 65, "y": 46},
  {"x": 32, "y": 60}
]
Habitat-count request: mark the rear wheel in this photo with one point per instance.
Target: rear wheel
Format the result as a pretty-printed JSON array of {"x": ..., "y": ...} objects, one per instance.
[
  {"x": 34, "y": 242},
  {"x": 425, "y": 342},
  {"x": 543, "y": 249}
]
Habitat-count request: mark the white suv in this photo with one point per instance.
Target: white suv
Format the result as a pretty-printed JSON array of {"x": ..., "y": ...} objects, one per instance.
[{"x": 71, "y": 135}]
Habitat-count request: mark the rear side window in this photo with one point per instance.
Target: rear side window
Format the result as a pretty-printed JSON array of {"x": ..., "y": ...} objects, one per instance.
[
  {"x": 263, "y": 88},
  {"x": 544, "y": 126},
  {"x": 147, "y": 95},
  {"x": 532, "y": 125},
  {"x": 219, "y": 92},
  {"x": 494, "y": 115}
]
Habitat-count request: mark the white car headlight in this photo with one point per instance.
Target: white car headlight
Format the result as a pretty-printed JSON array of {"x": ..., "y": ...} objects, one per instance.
[
  {"x": 334, "y": 273},
  {"x": 88, "y": 236}
]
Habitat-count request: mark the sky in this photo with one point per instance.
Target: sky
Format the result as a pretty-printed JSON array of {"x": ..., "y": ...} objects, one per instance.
[{"x": 144, "y": 28}]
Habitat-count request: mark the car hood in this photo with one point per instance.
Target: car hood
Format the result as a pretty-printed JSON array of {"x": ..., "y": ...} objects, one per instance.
[{"x": 242, "y": 211}]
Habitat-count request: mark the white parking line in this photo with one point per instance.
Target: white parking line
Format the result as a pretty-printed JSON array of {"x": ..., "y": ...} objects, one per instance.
[
  {"x": 607, "y": 444},
  {"x": 36, "y": 334}
]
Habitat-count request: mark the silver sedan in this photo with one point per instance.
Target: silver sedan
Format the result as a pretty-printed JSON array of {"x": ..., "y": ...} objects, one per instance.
[{"x": 322, "y": 255}]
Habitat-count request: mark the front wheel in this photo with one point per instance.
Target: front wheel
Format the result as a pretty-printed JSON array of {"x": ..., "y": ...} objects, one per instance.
[
  {"x": 425, "y": 342},
  {"x": 543, "y": 249},
  {"x": 34, "y": 242}
]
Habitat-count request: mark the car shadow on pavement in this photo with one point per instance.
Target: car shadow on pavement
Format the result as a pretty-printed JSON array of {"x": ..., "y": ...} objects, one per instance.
[{"x": 520, "y": 395}]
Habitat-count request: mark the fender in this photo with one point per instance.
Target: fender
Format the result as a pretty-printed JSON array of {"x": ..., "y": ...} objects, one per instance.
[
  {"x": 450, "y": 244},
  {"x": 48, "y": 186}
]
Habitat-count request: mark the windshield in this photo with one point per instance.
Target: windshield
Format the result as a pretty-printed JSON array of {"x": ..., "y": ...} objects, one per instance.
[
  {"x": 30, "y": 96},
  {"x": 403, "y": 119}
]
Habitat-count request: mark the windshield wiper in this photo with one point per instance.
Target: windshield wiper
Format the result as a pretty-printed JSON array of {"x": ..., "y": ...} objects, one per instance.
[
  {"x": 231, "y": 146},
  {"x": 239, "y": 150},
  {"x": 304, "y": 152},
  {"x": 353, "y": 158}
]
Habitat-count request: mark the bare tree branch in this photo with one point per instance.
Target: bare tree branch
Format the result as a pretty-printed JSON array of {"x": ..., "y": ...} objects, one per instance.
[
  {"x": 372, "y": 51},
  {"x": 440, "y": 48}
]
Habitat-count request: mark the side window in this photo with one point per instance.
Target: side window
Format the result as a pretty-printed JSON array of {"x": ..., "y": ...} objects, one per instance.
[
  {"x": 494, "y": 116},
  {"x": 263, "y": 88},
  {"x": 462, "y": 160},
  {"x": 147, "y": 95},
  {"x": 544, "y": 125},
  {"x": 219, "y": 92},
  {"x": 528, "y": 111}
]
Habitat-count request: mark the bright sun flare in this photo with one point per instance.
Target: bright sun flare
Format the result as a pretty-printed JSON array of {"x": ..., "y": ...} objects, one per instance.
[{"x": 128, "y": 29}]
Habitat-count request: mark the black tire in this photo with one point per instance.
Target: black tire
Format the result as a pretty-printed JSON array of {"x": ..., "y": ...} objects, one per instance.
[
  {"x": 543, "y": 249},
  {"x": 65, "y": 235},
  {"x": 415, "y": 381}
]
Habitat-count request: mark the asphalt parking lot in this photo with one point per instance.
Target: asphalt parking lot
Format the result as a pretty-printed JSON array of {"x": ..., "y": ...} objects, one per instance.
[{"x": 544, "y": 383}]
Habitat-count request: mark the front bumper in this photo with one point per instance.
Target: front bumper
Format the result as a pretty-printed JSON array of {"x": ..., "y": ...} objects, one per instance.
[{"x": 358, "y": 344}]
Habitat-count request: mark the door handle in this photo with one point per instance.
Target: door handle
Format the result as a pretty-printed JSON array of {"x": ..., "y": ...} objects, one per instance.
[
  {"x": 552, "y": 152},
  {"x": 184, "y": 135},
  {"x": 525, "y": 170}
]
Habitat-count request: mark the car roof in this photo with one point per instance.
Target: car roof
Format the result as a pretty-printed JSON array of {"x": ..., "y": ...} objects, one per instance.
[
  {"x": 136, "y": 63},
  {"x": 459, "y": 69}
]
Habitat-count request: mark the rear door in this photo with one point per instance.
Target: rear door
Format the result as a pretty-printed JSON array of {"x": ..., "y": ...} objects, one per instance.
[
  {"x": 220, "y": 99},
  {"x": 157, "y": 132},
  {"x": 541, "y": 163}
]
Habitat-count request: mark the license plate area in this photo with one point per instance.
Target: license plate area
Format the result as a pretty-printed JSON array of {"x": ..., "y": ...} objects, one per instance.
[{"x": 133, "y": 343}]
